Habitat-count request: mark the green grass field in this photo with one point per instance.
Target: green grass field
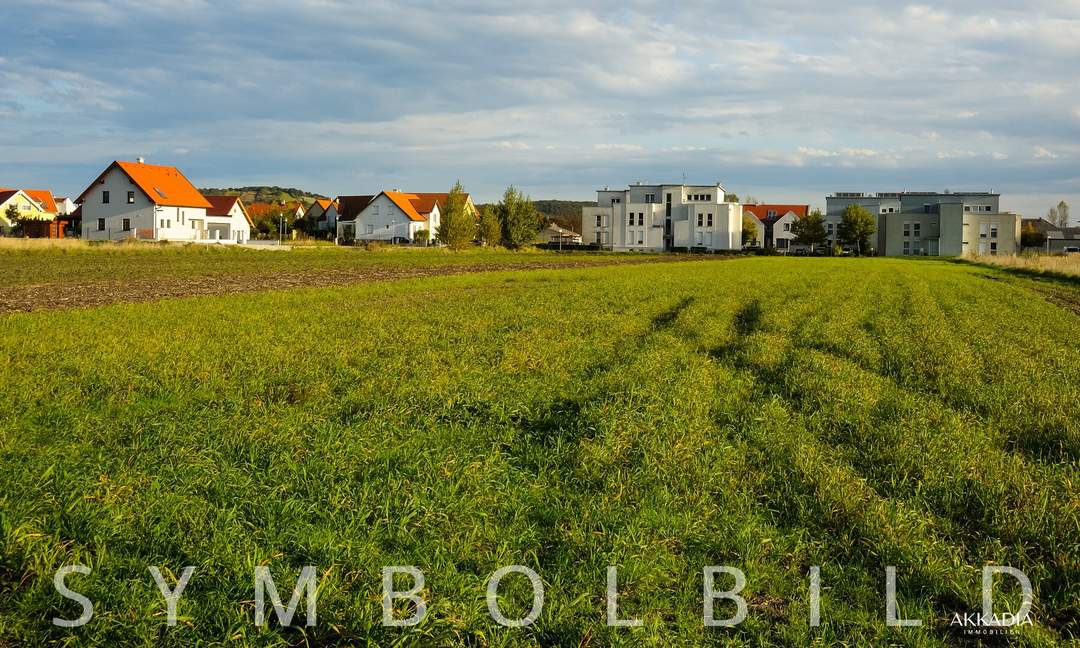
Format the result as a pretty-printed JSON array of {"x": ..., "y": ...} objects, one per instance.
[{"x": 765, "y": 413}]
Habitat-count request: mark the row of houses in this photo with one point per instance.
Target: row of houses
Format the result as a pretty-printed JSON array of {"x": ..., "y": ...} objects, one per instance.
[
  {"x": 154, "y": 202},
  {"x": 699, "y": 217}
]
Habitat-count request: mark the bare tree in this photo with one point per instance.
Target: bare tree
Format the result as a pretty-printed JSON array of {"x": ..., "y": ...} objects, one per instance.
[
  {"x": 1063, "y": 213},
  {"x": 1052, "y": 215}
]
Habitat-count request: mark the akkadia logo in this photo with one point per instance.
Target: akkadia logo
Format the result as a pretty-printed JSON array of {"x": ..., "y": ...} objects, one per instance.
[{"x": 989, "y": 623}]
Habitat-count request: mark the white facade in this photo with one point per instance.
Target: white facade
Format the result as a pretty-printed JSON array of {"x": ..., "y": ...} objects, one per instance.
[
  {"x": 232, "y": 228},
  {"x": 64, "y": 206},
  {"x": 383, "y": 220},
  {"x": 115, "y": 208},
  {"x": 663, "y": 217}
]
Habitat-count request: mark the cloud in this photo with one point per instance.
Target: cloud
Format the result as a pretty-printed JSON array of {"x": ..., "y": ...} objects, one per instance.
[{"x": 555, "y": 97}]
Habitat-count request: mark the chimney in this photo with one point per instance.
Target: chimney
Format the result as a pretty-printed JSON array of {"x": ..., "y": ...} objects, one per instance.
[{"x": 140, "y": 160}]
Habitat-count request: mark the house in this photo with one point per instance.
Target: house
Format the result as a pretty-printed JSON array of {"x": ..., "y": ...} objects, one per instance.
[
  {"x": 146, "y": 201},
  {"x": 38, "y": 211},
  {"x": 554, "y": 234},
  {"x": 663, "y": 217},
  {"x": 775, "y": 224},
  {"x": 323, "y": 213},
  {"x": 393, "y": 216},
  {"x": 926, "y": 223},
  {"x": 1057, "y": 239},
  {"x": 64, "y": 206},
  {"x": 227, "y": 220}
]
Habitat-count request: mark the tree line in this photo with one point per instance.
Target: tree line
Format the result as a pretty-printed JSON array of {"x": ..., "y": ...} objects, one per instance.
[{"x": 513, "y": 223}]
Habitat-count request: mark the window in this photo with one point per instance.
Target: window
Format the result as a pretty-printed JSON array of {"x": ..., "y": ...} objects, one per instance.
[
  {"x": 370, "y": 229},
  {"x": 916, "y": 229},
  {"x": 916, "y": 248},
  {"x": 599, "y": 220},
  {"x": 162, "y": 225},
  {"x": 771, "y": 213},
  {"x": 708, "y": 219},
  {"x": 24, "y": 207},
  {"x": 967, "y": 208},
  {"x": 708, "y": 196},
  {"x": 650, "y": 198},
  {"x": 641, "y": 219},
  {"x": 993, "y": 232},
  {"x": 828, "y": 228},
  {"x": 983, "y": 230},
  {"x": 631, "y": 223},
  {"x": 101, "y": 224},
  {"x": 787, "y": 227},
  {"x": 168, "y": 222},
  {"x": 127, "y": 224},
  {"x": 907, "y": 228},
  {"x": 987, "y": 208},
  {"x": 131, "y": 197},
  {"x": 700, "y": 220},
  {"x": 907, "y": 248},
  {"x": 641, "y": 237},
  {"x": 993, "y": 247},
  {"x": 105, "y": 197}
]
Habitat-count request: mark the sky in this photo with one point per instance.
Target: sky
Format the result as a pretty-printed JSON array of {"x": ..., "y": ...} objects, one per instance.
[{"x": 784, "y": 101}]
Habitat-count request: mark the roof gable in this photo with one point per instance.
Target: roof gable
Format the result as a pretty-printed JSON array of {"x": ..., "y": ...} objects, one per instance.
[
  {"x": 43, "y": 197},
  {"x": 761, "y": 211},
  {"x": 162, "y": 185}
]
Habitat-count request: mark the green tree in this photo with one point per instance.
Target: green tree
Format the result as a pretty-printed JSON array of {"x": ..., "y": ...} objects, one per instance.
[
  {"x": 13, "y": 217},
  {"x": 731, "y": 198},
  {"x": 856, "y": 226},
  {"x": 422, "y": 236},
  {"x": 457, "y": 224},
  {"x": 520, "y": 221},
  {"x": 749, "y": 230},
  {"x": 490, "y": 228},
  {"x": 810, "y": 230}
]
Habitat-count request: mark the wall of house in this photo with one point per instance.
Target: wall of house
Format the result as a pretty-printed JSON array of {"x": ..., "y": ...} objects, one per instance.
[
  {"x": 140, "y": 211},
  {"x": 382, "y": 220}
]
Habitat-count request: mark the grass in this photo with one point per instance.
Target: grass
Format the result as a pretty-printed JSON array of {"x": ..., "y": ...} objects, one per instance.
[
  {"x": 1060, "y": 264},
  {"x": 28, "y": 261},
  {"x": 765, "y": 413}
]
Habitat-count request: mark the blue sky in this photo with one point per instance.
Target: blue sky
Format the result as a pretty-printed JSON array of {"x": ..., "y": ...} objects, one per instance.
[{"x": 785, "y": 101}]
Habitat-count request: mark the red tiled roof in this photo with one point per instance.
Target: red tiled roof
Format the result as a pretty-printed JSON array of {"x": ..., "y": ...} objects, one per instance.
[
  {"x": 221, "y": 205},
  {"x": 163, "y": 185},
  {"x": 349, "y": 207},
  {"x": 43, "y": 197},
  {"x": 761, "y": 212}
]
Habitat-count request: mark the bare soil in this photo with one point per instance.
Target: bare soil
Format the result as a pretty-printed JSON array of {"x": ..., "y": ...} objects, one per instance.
[{"x": 54, "y": 296}]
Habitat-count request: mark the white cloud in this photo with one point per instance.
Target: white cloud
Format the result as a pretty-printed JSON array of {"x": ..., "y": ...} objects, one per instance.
[
  {"x": 1043, "y": 153},
  {"x": 999, "y": 156}
]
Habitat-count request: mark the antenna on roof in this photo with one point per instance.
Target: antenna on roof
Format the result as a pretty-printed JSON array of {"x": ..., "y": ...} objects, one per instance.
[{"x": 140, "y": 160}]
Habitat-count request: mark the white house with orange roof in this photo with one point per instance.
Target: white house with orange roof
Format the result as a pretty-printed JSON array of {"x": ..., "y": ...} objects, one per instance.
[
  {"x": 150, "y": 202},
  {"x": 775, "y": 224},
  {"x": 396, "y": 216},
  {"x": 323, "y": 213},
  {"x": 227, "y": 220}
]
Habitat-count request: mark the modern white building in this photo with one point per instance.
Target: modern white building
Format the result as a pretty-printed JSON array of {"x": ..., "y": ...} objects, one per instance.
[
  {"x": 154, "y": 203},
  {"x": 227, "y": 220},
  {"x": 663, "y": 217},
  {"x": 929, "y": 223}
]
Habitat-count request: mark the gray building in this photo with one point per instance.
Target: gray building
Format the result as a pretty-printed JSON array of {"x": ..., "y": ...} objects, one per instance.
[{"x": 922, "y": 223}]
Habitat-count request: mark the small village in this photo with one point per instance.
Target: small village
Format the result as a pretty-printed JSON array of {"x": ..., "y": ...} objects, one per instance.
[{"x": 137, "y": 201}]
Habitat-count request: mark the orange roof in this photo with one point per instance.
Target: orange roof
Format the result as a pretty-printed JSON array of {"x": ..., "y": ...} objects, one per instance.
[
  {"x": 163, "y": 185},
  {"x": 418, "y": 206},
  {"x": 43, "y": 197},
  {"x": 324, "y": 203},
  {"x": 761, "y": 212}
]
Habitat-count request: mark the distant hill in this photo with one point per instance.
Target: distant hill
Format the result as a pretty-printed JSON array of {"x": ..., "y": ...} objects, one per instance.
[
  {"x": 566, "y": 213},
  {"x": 266, "y": 194}
]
